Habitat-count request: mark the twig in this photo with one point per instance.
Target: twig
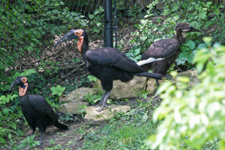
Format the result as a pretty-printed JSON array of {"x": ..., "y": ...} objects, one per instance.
[{"x": 74, "y": 70}]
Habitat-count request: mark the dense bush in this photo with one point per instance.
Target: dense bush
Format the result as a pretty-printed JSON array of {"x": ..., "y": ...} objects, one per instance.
[
  {"x": 161, "y": 24},
  {"x": 190, "y": 117}
]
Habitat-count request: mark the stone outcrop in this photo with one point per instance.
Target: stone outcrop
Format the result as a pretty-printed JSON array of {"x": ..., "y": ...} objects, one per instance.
[
  {"x": 192, "y": 75},
  {"x": 94, "y": 117},
  {"x": 125, "y": 89},
  {"x": 75, "y": 99},
  {"x": 120, "y": 90}
]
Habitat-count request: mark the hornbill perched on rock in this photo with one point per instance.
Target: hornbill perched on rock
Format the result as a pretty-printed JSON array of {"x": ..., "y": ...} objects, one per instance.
[
  {"x": 163, "y": 53},
  {"x": 36, "y": 109},
  {"x": 106, "y": 63}
]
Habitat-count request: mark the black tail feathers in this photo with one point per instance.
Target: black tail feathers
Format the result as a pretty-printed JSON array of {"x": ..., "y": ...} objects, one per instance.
[
  {"x": 151, "y": 75},
  {"x": 61, "y": 126}
]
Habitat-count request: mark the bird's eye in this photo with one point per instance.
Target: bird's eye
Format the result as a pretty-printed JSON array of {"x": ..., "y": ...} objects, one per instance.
[
  {"x": 24, "y": 79},
  {"x": 77, "y": 32}
]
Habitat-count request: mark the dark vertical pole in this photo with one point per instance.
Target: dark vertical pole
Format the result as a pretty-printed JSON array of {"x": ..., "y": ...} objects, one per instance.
[
  {"x": 108, "y": 33},
  {"x": 115, "y": 17}
]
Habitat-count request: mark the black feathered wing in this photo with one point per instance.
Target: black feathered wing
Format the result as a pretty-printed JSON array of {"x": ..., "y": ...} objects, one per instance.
[
  {"x": 162, "y": 49},
  {"x": 42, "y": 106},
  {"x": 112, "y": 57}
]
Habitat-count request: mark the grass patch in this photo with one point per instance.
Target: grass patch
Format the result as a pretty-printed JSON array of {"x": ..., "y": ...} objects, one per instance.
[{"x": 124, "y": 131}]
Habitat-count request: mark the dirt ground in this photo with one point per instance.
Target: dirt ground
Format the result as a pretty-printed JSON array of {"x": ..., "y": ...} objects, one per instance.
[
  {"x": 73, "y": 138},
  {"x": 70, "y": 139}
]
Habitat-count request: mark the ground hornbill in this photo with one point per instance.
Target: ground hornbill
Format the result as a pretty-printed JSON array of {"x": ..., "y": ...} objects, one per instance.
[
  {"x": 36, "y": 109},
  {"x": 163, "y": 53},
  {"x": 106, "y": 63}
]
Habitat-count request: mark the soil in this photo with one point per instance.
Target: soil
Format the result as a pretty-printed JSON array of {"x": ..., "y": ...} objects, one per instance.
[
  {"x": 70, "y": 139},
  {"x": 74, "y": 138}
]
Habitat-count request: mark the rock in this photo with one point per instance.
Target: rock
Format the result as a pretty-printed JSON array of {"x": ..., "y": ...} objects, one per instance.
[
  {"x": 72, "y": 108},
  {"x": 75, "y": 99},
  {"x": 125, "y": 89},
  {"x": 192, "y": 75},
  {"x": 152, "y": 86},
  {"x": 93, "y": 117},
  {"x": 79, "y": 94}
]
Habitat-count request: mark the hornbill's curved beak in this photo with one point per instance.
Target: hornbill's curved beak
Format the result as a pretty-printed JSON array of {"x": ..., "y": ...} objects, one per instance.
[
  {"x": 15, "y": 83},
  {"x": 193, "y": 29},
  {"x": 68, "y": 36}
]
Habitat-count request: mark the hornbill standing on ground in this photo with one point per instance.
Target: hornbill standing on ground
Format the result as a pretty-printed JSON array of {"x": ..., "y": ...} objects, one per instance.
[
  {"x": 106, "y": 63},
  {"x": 163, "y": 53},
  {"x": 36, "y": 109}
]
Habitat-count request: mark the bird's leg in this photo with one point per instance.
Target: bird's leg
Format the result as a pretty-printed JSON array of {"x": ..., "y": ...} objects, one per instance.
[
  {"x": 40, "y": 141},
  {"x": 33, "y": 132},
  {"x": 157, "y": 82},
  {"x": 105, "y": 100},
  {"x": 34, "y": 129},
  {"x": 102, "y": 99},
  {"x": 169, "y": 77}
]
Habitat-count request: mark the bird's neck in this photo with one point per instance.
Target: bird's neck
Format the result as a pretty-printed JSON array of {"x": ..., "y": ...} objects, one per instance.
[
  {"x": 180, "y": 37},
  {"x": 84, "y": 49}
]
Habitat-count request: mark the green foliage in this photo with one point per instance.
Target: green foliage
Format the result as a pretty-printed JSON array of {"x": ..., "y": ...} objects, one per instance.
[
  {"x": 8, "y": 80},
  {"x": 156, "y": 26},
  {"x": 187, "y": 53},
  {"x": 123, "y": 131},
  {"x": 58, "y": 90},
  {"x": 96, "y": 24},
  {"x": 19, "y": 21},
  {"x": 92, "y": 78},
  {"x": 143, "y": 94},
  {"x": 66, "y": 117},
  {"x": 93, "y": 98},
  {"x": 28, "y": 142},
  {"x": 25, "y": 27},
  {"x": 56, "y": 147},
  {"x": 193, "y": 117},
  {"x": 134, "y": 12},
  {"x": 82, "y": 110},
  {"x": 9, "y": 119},
  {"x": 134, "y": 54}
]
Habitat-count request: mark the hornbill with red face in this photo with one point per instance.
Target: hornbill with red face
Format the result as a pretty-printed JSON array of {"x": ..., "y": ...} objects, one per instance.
[
  {"x": 163, "y": 53},
  {"x": 36, "y": 109},
  {"x": 106, "y": 63}
]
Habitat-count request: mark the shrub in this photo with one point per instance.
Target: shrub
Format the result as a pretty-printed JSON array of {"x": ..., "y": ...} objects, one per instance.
[{"x": 193, "y": 116}]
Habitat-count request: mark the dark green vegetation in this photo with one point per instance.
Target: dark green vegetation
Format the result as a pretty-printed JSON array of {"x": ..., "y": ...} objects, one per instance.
[{"x": 28, "y": 30}]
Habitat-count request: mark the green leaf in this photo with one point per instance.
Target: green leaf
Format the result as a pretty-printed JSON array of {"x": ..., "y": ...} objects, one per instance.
[
  {"x": 202, "y": 15},
  {"x": 183, "y": 54},
  {"x": 22, "y": 145},
  {"x": 6, "y": 111},
  {"x": 143, "y": 38},
  {"x": 29, "y": 72},
  {"x": 163, "y": 87},
  {"x": 90, "y": 16},
  {"x": 183, "y": 79},
  {"x": 189, "y": 57},
  {"x": 184, "y": 48},
  {"x": 207, "y": 40},
  {"x": 191, "y": 45}
]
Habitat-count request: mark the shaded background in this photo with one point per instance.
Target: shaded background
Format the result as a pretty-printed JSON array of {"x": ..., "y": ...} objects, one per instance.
[{"x": 30, "y": 28}]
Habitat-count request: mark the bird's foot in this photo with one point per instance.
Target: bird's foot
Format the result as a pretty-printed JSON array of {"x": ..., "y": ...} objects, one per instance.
[
  {"x": 100, "y": 109},
  {"x": 98, "y": 105}
]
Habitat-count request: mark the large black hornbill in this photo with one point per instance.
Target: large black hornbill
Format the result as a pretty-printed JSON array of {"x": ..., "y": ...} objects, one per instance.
[
  {"x": 35, "y": 108},
  {"x": 163, "y": 53},
  {"x": 106, "y": 63}
]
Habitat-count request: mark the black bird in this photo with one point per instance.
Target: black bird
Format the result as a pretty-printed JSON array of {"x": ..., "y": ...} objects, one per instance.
[
  {"x": 36, "y": 109},
  {"x": 106, "y": 63},
  {"x": 163, "y": 53}
]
